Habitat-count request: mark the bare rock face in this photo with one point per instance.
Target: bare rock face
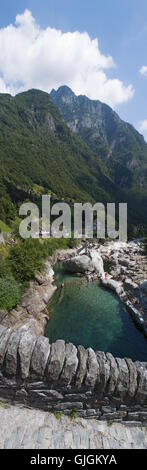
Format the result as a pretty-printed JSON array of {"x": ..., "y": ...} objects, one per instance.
[
  {"x": 70, "y": 365},
  {"x": 81, "y": 264},
  {"x": 56, "y": 361},
  {"x": 40, "y": 356},
  {"x": 26, "y": 346}
]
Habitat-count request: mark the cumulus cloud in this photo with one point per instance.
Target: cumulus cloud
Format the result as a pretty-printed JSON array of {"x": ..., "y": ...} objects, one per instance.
[
  {"x": 143, "y": 70},
  {"x": 142, "y": 127},
  {"x": 31, "y": 57}
]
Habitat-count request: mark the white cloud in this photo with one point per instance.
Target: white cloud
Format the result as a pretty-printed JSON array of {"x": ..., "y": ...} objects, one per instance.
[
  {"x": 142, "y": 127},
  {"x": 31, "y": 57},
  {"x": 143, "y": 70}
]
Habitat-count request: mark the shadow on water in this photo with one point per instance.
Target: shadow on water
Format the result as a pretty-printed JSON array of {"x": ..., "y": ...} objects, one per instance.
[{"x": 86, "y": 313}]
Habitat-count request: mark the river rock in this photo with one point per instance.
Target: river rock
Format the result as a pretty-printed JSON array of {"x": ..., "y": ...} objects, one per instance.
[
  {"x": 81, "y": 264},
  {"x": 26, "y": 346},
  {"x": 46, "y": 292},
  {"x": 71, "y": 364},
  {"x": 130, "y": 284},
  {"x": 113, "y": 285},
  {"x": 82, "y": 368},
  {"x": 56, "y": 360},
  {"x": 33, "y": 303},
  {"x": 40, "y": 356},
  {"x": 4, "y": 341},
  {"x": 93, "y": 369},
  {"x": 124, "y": 261}
]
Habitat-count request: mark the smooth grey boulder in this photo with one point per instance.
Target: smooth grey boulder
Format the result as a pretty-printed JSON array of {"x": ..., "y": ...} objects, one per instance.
[
  {"x": 40, "y": 356},
  {"x": 132, "y": 377},
  {"x": 104, "y": 366},
  {"x": 123, "y": 378},
  {"x": 71, "y": 364},
  {"x": 81, "y": 264},
  {"x": 56, "y": 360},
  {"x": 112, "y": 284},
  {"x": 124, "y": 261},
  {"x": 114, "y": 373},
  {"x": 93, "y": 369},
  {"x": 26, "y": 346},
  {"x": 4, "y": 341},
  {"x": 11, "y": 355},
  {"x": 82, "y": 368}
]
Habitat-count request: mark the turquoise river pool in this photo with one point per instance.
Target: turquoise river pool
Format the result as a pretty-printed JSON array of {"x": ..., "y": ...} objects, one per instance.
[{"x": 86, "y": 313}]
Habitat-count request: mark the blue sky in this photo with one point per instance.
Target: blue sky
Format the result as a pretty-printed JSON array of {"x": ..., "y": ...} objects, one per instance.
[{"x": 121, "y": 29}]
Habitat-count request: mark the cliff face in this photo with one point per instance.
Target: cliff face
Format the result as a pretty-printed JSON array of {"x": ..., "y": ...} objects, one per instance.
[{"x": 121, "y": 148}]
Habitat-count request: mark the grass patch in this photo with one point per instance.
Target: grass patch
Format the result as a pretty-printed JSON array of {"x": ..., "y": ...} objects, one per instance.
[
  {"x": 58, "y": 415},
  {"x": 4, "y": 227},
  {"x": 73, "y": 415}
]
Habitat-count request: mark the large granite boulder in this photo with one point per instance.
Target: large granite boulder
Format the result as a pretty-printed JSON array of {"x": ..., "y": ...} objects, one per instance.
[
  {"x": 81, "y": 264},
  {"x": 116, "y": 286}
]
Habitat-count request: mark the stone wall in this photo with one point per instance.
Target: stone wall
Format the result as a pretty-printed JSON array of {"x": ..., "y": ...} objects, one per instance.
[{"x": 61, "y": 377}]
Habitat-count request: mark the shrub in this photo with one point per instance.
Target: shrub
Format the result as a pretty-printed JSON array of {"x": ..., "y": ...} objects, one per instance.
[
  {"x": 26, "y": 259},
  {"x": 10, "y": 293}
]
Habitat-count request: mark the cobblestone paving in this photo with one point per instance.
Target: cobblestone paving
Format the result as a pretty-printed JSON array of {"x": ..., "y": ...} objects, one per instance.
[{"x": 23, "y": 428}]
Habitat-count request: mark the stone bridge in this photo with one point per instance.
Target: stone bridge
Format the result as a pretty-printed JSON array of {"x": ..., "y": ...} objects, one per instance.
[{"x": 59, "y": 377}]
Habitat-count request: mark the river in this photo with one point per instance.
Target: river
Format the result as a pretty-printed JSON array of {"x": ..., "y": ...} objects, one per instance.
[{"x": 85, "y": 313}]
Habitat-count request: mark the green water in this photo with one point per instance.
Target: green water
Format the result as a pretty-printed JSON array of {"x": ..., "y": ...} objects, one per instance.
[{"x": 85, "y": 313}]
